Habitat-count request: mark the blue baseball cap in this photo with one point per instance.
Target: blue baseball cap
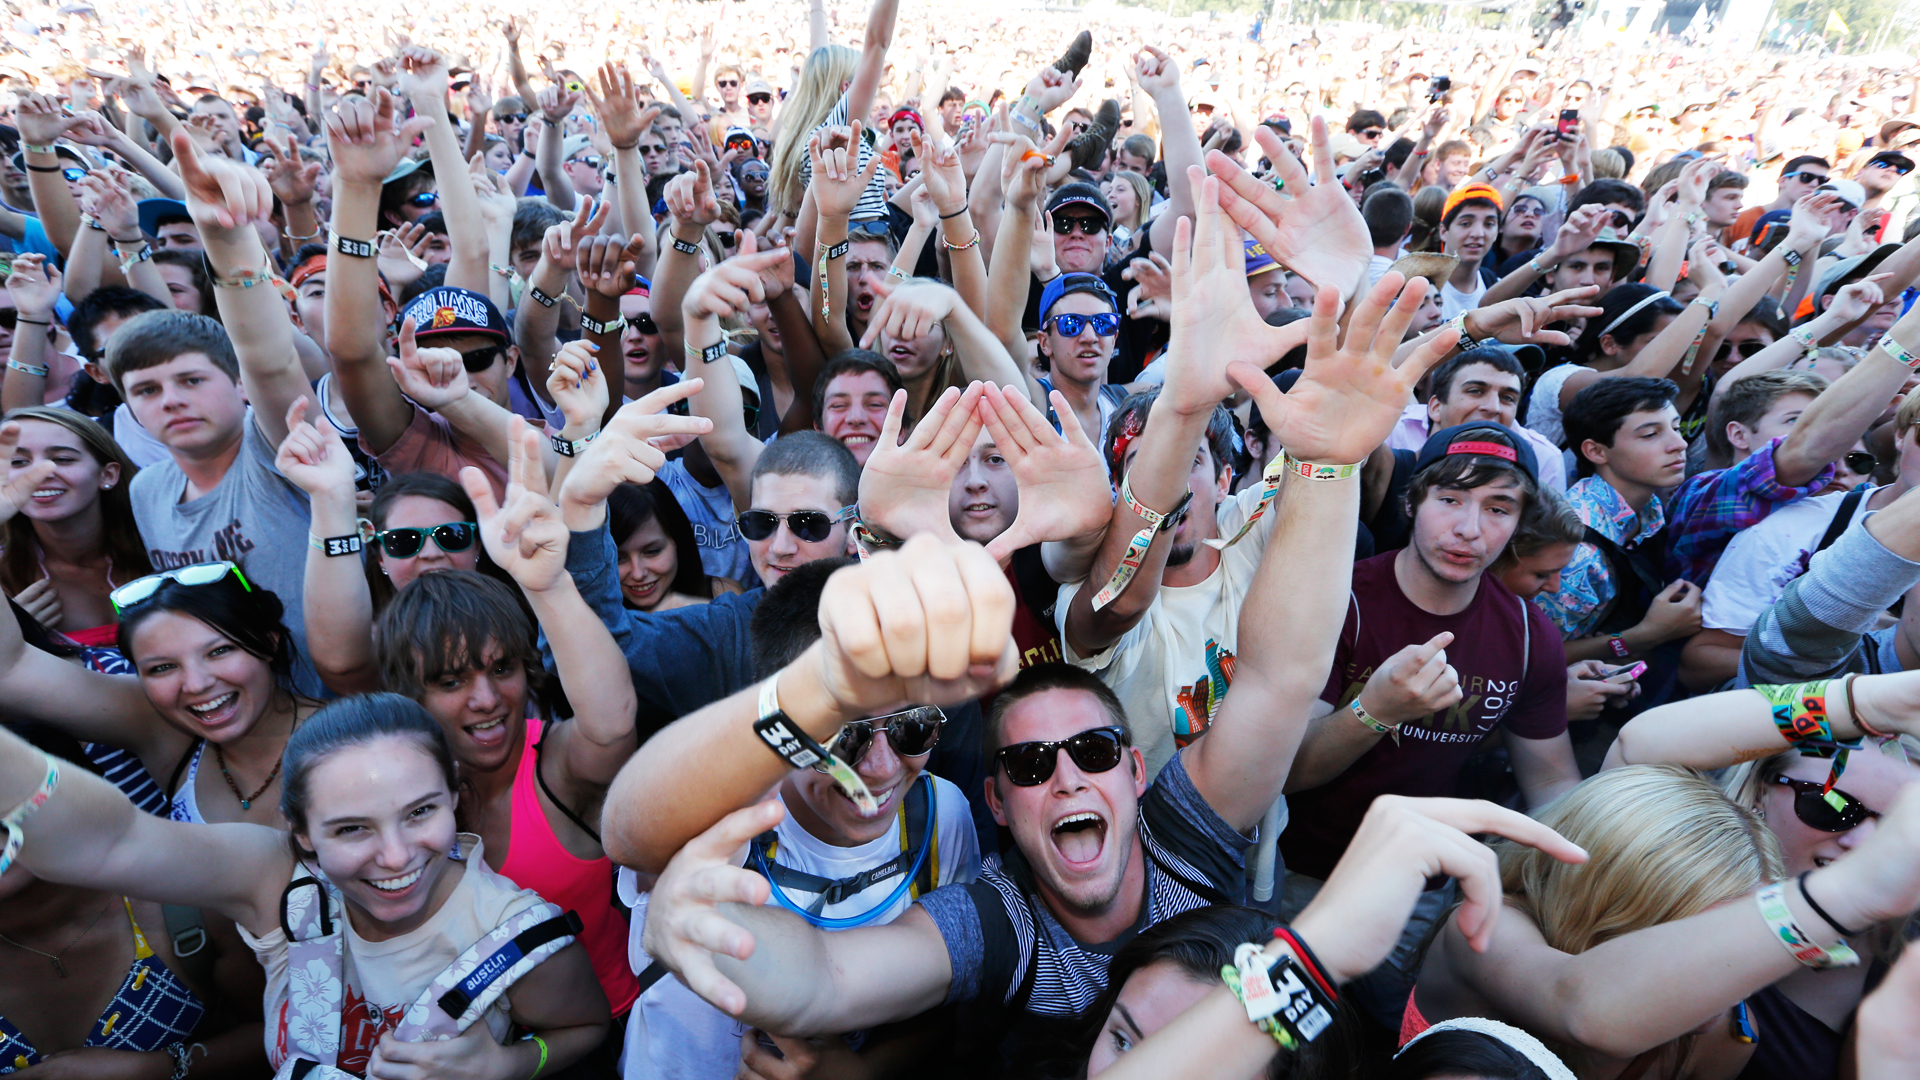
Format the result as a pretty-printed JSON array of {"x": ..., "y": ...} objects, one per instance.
[
  {"x": 157, "y": 212},
  {"x": 1074, "y": 283},
  {"x": 1258, "y": 261},
  {"x": 448, "y": 310}
]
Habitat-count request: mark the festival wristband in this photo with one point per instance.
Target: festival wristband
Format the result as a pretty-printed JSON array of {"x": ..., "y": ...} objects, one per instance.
[
  {"x": 1800, "y": 712},
  {"x": 542, "y": 1067},
  {"x": 246, "y": 279},
  {"x": 1280, "y": 998},
  {"x": 36, "y": 370},
  {"x": 798, "y": 749},
  {"x": 359, "y": 249},
  {"x": 711, "y": 354},
  {"x": 540, "y": 296},
  {"x": 1772, "y": 899},
  {"x": 335, "y": 546},
  {"x": 685, "y": 248},
  {"x": 1270, "y": 479},
  {"x": 566, "y": 447},
  {"x": 1898, "y": 351},
  {"x": 975, "y": 242},
  {"x": 1467, "y": 342},
  {"x": 594, "y": 326},
  {"x": 16, "y": 818},
  {"x": 1137, "y": 547},
  {"x": 1371, "y": 721},
  {"x": 1618, "y": 645}
]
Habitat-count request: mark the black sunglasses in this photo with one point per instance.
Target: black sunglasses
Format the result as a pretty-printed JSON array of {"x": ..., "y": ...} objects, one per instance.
[
  {"x": 1088, "y": 226},
  {"x": 759, "y": 99},
  {"x": 1811, "y": 806},
  {"x": 1747, "y": 349},
  {"x": 511, "y": 118},
  {"x": 726, "y": 84},
  {"x": 911, "y": 733},
  {"x": 452, "y": 538},
  {"x": 1372, "y": 133},
  {"x": 1894, "y": 165},
  {"x": 1806, "y": 177},
  {"x": 1105, "y": 323},
  {"x": 1030, "y": 764},
  {"x": 1860, "y": 463},
  {"x": 812, "y": 526},
  {"x": 644, "y": 323},
  {"x": 8, "y": 318},
  {"x": 479, "y": 360},
  {"x": 1622, "y": 219}
]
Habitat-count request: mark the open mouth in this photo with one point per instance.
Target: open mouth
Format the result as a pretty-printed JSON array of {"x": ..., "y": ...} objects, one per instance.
[
  {"x": 216, "y": 711},
  {"x": 882, "y": 800},
  {"x": 856, "y": 441},
  {"x": 396, "y": 884},
  {"x": 48, "y": 494},
  {"x": 981, "y": 509},
  {"x": 489, "y": 734},
  {"x": 1080, "y": 839}
]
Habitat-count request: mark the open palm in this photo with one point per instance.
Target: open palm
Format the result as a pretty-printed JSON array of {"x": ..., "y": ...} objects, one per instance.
[
  {"x": 1064, "y": 491},
  {"x": 904, "y": 487},
  {"x": 1213, "y": 317},
  {"x": 1313, "y": 229}
]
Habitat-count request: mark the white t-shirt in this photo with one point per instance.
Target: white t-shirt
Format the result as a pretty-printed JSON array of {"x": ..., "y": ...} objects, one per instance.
[
  {"x": 1171, "y": 670},
  {"x": 673, "y": 1034},
  {"x": 384, "y": 978},
  {"x": 1760, "y": 562},
  {"x": 1454, "y": 302},
  {"x": 1543, "y": 408}
]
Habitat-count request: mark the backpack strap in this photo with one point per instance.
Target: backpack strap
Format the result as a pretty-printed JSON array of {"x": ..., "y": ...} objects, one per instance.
[
  {"x": 309, "y": 916},
  {"x": 1842, "y": 518},
  {"x": 180, "y": 767},
  {"x": 459, "y": 995},
  {"x": 545, "y": 730},
  {"x": 919, "y": 817}
]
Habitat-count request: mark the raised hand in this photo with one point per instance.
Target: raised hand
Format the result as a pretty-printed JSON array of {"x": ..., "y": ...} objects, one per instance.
[
  {"x": 1213, "y": 317},
  {"x": 577, "y": 385},
  {"x": 689, "y": 197},
  {"x": 926, "y": 216},
  {"x": 109, "y": 198},
  {"x": 292, "y": 179},
  {"x": 1314, "y": 230},
  {"x": 556, "y": 102},
  {"x": 1051, "y": 88},
  {"x": 1579, "y": 231},
  {"x": 1856, "y": 298},
  {"x": 16, "y": 491},
  {"x": 524, "y": 534},
  {"x": 904, "y": 486},
  {"x": 93, "y": 129},
  {"x": 423, "y": 76},
  {"x": 1351, "y": 394},
  {"x": 605, "y": 264},
  {"x": 1064, "y": 489},
  {"x": 624, "y": 451},
  {"x": 1154, "y": 297},
  {"x": 40, "y": 119},
  {"x": 560, "y": 240},
  {"x": 312, "y": 456},
  {"x": 838, "y": 178},
  {"x": 940, "y": 166},
  {"x": 364, "y": 139},
  {"x": 221, "y": 193},
  {"x": 497, "y": 201},
  {"x": 400, "y": 254},
  {"x": 1155, "y": 71},
  {"x": 910, "y": 312},
  {"x": 1414, "y": 682},
  {"x": 1812, "y": 218},
  {"x": 617, "y": 103},
  {"x": 684, "y": 928},
  {"x": 34, "y": 285},
  {"x": 479, "y": 100},
  {"x": 1023, "y": 171},
  {"x": 432, "y": 378},
  {"x": 1523, "y": 320}
]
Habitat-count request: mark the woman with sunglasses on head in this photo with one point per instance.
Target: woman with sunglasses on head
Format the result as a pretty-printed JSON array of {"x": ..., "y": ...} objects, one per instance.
[
  {"x": 75, "y": 538},
  {"x": 465, "y": 646},
  {"x": 370, "y": 799},
  {"x": 212, "y": 662},
  {"x": 1803, "y": 1021}
]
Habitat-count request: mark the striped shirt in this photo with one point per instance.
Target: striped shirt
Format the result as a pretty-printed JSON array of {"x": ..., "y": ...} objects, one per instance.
[{"x": 873, "y": 201}]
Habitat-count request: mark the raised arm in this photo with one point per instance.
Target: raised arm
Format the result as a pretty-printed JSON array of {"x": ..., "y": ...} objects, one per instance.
[
  {"x": 873, "y": 57},
  {"x": 727, "y": 289},
  {"x": 1346, "y": 403},
  {"x": 1844, "y": 411},
  {"x": 912, "y": 310},
  {"x": 1159, "y": 76},
  {"x": 616, "y": 101},
  {"x": 226, "y": 198},
  {"x": 536, "y": 322},
  {"x": 1009, "y": 277},
  {"x": 555, "y": 102},
  {"x": 337, "y": 605},
  {"x": 365, "y": 146},
  {"x": 41, "y": 123},
  {"x": 837, "y": 183},
  {"x": 423, "y": 79},
  {"x": 436, "y": 380},
  {"x": 940, "y": 166}
]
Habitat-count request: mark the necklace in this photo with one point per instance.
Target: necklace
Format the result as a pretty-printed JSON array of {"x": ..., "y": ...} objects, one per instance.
[
  {"x": 246, "y": 801},
  {"x": 59, "y": 967}
]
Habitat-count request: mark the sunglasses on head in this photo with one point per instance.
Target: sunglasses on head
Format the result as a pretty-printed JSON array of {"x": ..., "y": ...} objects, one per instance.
[
  {"x": 1811, "y": 806},
  {"x": 133, "y": 592},
  {"x": 875, "y": 227},
  {"x": 812, "y": 526},
  {"x": 759, "y": 99},
  {"x": 479, "y": 360},
  {"x": 1806, "y": 177},
  {"x": 512, "y": 118},
  {"x": 1088, "y": 226},
  {"x": 911, "y": 733},
  {"x": 425, "y": 198},
  {"x": 452, "y": 538},
  {"x": 1106, "y": 324},
  {"x": 1030, "y": 764},
  {"x": 1860, "y": 463}
]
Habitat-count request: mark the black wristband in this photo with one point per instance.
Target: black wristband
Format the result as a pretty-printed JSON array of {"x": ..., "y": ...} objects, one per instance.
[
  {"x": 594, "y": 326},
  {"x": 963, "y": 209},
  {"x": 359, "y": 249},
  {"x": 335, "y": 546},
  {"x": 786, "y": 739},
  {"x": 712, "y": 354},
  {"x": 572, "y": 447},
  {"x": 838, "y": 249},
  {"x": 685, "y": 248},
  {"x": 47, "y": 168},
  {"x": 539, "y": 296},
  {"x": 1822, "y": 912}
]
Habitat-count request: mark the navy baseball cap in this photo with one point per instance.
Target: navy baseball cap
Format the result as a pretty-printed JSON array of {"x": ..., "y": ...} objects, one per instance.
[
  {"x": 448, "y": 310},
  {"x": 1081, "y": 193},
  {"x": 1479, "y": 437},
  {"x": 1074, "y": 283},
  {"x": 157, "y": 212}
]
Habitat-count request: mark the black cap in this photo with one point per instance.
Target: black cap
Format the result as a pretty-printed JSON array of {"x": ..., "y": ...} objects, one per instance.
[
  {"x": 1479, "y": 437},
  {"x": 450, "y": 310},
  {"x": 1084, "y": 194}
]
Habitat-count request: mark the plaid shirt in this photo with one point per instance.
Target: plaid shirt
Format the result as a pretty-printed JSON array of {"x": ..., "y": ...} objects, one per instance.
[
  {"x": 1711, "y": 506},
  {"x": 1587, "y": 587}
]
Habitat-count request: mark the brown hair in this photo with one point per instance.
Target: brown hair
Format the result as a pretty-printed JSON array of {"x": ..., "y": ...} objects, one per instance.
[
  {"x": 1749, "y": 399},
  {"x": 443, "y": 622},
  {"x": 120, "y": 533}
]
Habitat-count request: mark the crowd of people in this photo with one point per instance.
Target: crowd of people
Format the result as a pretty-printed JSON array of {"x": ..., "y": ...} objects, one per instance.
[{"x": 1064, "y": 545}]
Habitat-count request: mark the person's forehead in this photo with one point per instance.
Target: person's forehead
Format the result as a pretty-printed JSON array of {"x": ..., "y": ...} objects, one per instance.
[
  {"x": 1052, "y": 715},
  {"x": 1486, "y": 374},
  {"x": 868, "y": 250},
  {"x": 1080, "y": 303},
  {"x": 856, "y": 384},
  {"x": 186, "y": 363},
  {"x": 784, "y": 493}
]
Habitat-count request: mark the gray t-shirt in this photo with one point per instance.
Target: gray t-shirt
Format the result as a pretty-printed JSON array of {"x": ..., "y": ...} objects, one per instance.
[
  {"x": 254, "y": 518},
  {"x": 723, "y": 551}
]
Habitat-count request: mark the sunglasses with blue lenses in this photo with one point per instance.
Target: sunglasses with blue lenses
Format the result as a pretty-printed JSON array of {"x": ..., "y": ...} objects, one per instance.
[
  {"x": 1106, "y": 324},
  {"x": 1806, "y": 177},
  {"x": 424, "y": 199},
  {"x": 452, "y": 538}
]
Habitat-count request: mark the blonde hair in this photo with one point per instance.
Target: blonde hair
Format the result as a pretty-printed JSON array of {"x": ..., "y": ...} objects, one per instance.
[
  {"x": 1609, "y": 165},
  {"x": 1664, "y": 844},
  {"x": 827, "y": 70},
  {"x": 1142, "y": 196}
]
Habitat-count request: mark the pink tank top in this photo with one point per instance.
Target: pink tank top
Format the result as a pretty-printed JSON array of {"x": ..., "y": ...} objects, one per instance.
[{"x": 536, "y": 860}]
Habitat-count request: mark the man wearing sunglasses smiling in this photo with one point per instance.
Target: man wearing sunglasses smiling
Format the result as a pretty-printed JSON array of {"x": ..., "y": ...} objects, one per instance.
[{"x": 1100, "y": 850}]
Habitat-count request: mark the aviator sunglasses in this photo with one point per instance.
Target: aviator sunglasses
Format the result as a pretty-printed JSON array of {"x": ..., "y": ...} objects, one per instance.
[
  {"x": 812, "y": 526},
  {"x": 911, "y": 733}
]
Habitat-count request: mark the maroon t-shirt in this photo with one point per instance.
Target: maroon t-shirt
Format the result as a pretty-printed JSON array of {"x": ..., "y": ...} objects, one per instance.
[{"x": 1528, "y": 698}]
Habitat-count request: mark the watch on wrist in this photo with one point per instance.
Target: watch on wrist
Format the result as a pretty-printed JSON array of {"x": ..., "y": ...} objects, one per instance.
[
  {"x": 359, "y": 249},
  {"x": 566, "y": 447}
]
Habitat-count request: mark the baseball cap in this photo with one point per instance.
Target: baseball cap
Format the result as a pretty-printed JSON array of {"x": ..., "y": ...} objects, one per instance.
[
  {"x": 908, "y": 114},
  {"x": 1851, "y": 270},
  {"x": 1893, "y": 157},
  {"x": 157, "y": 212},
  {"x": 1258, "y": 261},
  {"x": 1478, "y": 437},
  {"x": 573, "y": 145},
  {"x": 1083, "y": 194},
  {"x": 1849, "y": 191},
  {"x": 759, "y": 86},
  {"x": 406, "y": 168},
  {"x": 1066, "y": 284},
  {"x": 1471, "y": 191},
  {"x": 448, "y": 310}
]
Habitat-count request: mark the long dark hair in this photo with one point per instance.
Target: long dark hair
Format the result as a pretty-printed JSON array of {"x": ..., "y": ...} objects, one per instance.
[
  {"x": 630, "y": 506},
  {"x": 426, "y": 485},
  {"x": 1462, "y": 1053},
  {"x": 1617, "y": 302},
  {"x": 120, "y": 533},
  {"x": 347, "y": 722},
  {"x": 252, "y": 618}
]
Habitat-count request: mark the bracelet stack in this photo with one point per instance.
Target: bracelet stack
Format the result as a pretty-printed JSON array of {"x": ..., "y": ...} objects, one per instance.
[{"x": 1290, "y": 999}]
